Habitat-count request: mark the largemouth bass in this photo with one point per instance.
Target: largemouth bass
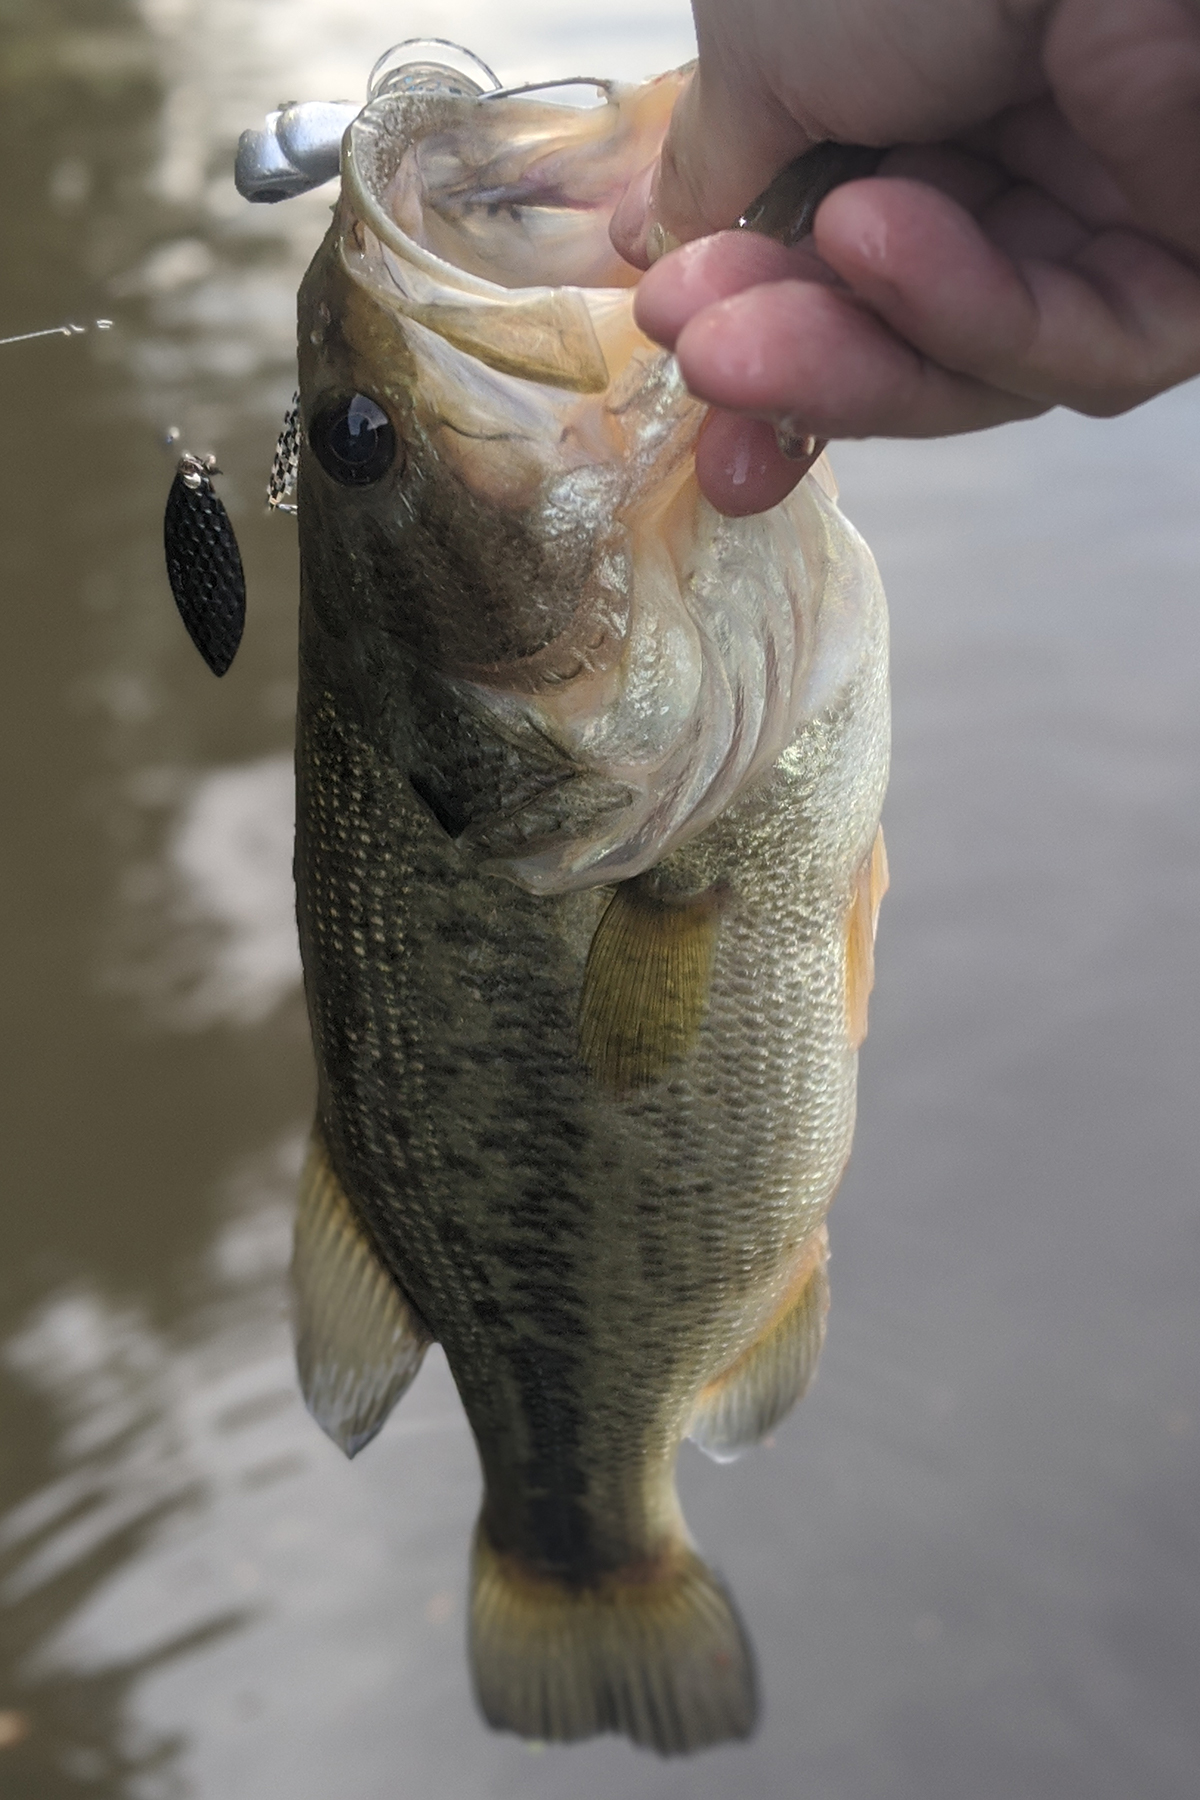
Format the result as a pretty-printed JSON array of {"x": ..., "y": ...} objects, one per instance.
[{"x": 588, "y": 864}]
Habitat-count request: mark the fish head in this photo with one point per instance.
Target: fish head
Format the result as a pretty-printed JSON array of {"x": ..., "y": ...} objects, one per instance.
[{"x": 508, "y": 572}]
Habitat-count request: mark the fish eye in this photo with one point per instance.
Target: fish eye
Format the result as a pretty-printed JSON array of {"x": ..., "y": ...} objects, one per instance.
[{"x": 354, "y": 440}]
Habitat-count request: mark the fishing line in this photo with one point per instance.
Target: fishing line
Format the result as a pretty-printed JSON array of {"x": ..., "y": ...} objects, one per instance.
[{"x": 27, "y": 337}]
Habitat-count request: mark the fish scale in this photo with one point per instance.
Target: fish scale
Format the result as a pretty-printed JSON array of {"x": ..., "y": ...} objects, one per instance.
[
  {"x": 588, "y": 791},
  {"x": 422, "y": 1039}
]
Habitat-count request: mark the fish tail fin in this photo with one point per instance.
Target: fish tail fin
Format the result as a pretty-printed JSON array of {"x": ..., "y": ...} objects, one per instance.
[{"x": 662, "y": 1657}]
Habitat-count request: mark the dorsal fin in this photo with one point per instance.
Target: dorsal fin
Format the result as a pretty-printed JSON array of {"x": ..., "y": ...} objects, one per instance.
[
  {"x": 358, "y": 1341},
  {"x": 646, "y": 984}
]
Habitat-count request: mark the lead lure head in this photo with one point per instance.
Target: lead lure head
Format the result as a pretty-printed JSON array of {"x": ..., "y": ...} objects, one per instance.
[{"x": 204, "y": 565}]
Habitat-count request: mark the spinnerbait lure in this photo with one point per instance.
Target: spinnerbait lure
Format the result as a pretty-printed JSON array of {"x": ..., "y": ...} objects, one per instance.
[{"x": 204, "y": 565}]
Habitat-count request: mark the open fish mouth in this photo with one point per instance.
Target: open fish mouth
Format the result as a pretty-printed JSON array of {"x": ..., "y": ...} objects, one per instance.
[
  {"x": 515, "y": 190},
  {"x": 532, "y": 541},
  {"x": 482, "y": 205},
  {"x": 524, "y": 162}
]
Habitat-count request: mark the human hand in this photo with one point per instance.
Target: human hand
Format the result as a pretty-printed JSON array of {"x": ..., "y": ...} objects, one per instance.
[{"x": 1035, "y": 242}]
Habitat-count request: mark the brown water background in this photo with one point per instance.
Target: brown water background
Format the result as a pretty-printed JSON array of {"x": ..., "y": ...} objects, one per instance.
[{"x": 971, "y": 1561}]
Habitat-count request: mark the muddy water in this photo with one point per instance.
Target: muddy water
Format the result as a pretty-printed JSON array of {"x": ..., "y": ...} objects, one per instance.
[{"x": 970, "y": 1562}]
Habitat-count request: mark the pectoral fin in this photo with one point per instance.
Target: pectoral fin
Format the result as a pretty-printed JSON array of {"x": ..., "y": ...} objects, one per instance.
[
  {"x": 358, "y": 1341},
  {"x": 747, "y": 1399},
  {"x": 646, "y": 985},
  {"x": 870, "y": 885}
]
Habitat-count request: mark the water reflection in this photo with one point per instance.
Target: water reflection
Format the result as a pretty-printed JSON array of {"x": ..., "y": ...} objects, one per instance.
[
  {"x": 969, "y": 1562},
  {"x": 194, "y": 1500},
  {"x": 208, "y": 921}
]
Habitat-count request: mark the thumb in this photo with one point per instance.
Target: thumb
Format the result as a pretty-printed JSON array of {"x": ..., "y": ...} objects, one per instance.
[{"x": 723, "y": 146}]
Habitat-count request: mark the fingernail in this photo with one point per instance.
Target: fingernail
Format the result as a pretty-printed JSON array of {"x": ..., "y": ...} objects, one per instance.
[
  {"x": 632, "y": 223},
  {"x": 658, "y": 242},
  {"x": 797, "y": 444}
]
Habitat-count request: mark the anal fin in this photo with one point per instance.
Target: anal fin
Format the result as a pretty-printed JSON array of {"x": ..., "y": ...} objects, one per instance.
[
  {"x": 358, "y": 1341},
  {"x": 743, "y": 1403},
  {"x": 646, "y": 984},
  {"x": 870, "y": 885}
]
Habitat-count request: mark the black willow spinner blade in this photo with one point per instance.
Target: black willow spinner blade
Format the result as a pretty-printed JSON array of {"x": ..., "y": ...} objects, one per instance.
[{"x": 204, "y": 566}]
